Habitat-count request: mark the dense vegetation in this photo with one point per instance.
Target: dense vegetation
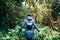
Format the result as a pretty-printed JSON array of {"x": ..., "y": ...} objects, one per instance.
[{"x": 46, "y": 13}]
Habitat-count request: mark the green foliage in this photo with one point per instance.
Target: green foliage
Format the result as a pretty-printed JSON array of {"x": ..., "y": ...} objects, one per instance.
[
  {"x": 12, "y": 35},
  {"x": 56, "y": 9}
]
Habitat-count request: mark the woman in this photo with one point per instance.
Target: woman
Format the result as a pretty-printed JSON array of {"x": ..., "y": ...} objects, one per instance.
[{"x": 29, "y": 23}]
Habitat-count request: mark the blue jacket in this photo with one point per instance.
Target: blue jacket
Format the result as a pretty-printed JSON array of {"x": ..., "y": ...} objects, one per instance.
[{"x": 29, "y": 35}]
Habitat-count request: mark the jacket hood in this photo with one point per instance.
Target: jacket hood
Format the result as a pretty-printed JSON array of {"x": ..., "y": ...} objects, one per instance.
[{"x": 29, "y": 18}]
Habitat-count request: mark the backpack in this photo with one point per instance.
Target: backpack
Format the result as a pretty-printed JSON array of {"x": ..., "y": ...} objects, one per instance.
[{"x": 29, "y": 25}]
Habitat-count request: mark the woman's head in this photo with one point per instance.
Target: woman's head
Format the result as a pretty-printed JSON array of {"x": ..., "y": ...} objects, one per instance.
[{"x": 29, "y": 14}]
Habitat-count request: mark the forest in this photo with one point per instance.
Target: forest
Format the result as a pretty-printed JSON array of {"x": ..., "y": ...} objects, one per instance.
[{"x": 46, "y": 14}]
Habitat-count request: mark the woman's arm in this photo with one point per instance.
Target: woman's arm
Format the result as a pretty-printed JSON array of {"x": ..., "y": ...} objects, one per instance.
[
  {"x": 23, "y": 24},
  {"x": 35, "y": 26}
]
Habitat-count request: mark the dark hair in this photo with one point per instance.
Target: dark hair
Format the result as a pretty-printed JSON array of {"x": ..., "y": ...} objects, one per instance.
[{"x": 29, "y": 14}]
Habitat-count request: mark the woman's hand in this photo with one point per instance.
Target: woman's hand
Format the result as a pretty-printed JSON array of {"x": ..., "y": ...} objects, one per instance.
[
  {"x": 17, "y": 30},
  {"x": 41, "y": 32}
]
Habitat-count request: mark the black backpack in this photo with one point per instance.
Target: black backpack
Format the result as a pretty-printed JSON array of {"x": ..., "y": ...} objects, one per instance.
[{"x": 29, "y": 25}]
